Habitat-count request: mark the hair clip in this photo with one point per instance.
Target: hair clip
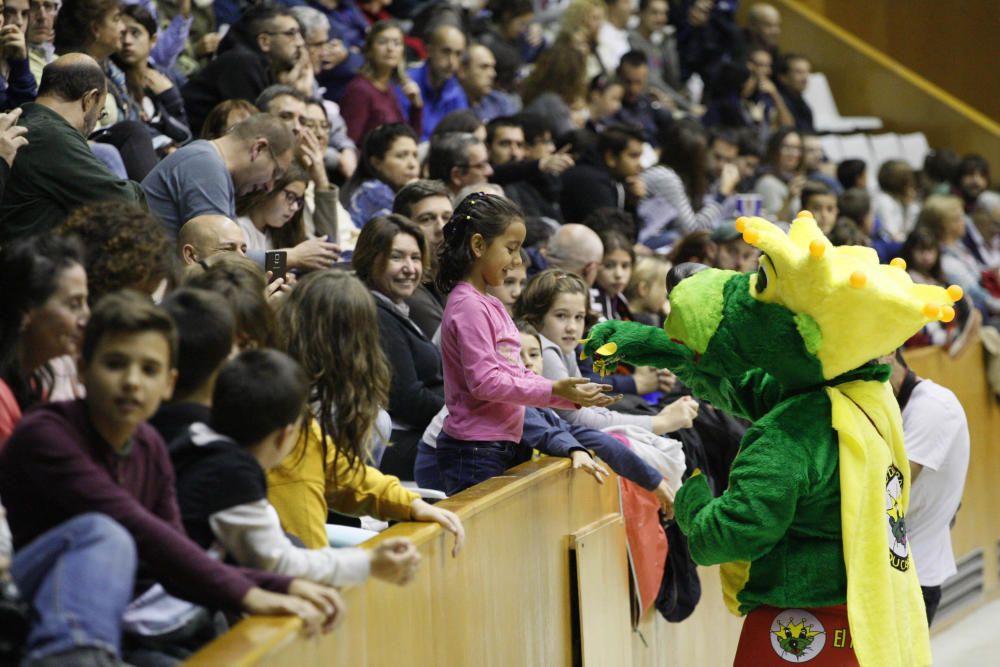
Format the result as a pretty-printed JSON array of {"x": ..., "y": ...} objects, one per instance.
[{"x": 468, "y": 217}]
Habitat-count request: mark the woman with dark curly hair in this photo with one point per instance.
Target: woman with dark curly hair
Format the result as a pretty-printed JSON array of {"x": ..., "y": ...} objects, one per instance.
[{"x": 123, "y": 246}]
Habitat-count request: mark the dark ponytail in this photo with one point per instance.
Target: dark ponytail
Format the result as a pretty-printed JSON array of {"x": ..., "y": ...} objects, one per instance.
[{"x": 479, "y": 213}]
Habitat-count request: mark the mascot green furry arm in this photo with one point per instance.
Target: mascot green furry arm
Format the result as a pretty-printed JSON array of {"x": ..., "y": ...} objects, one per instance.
[{"x": 820, "y": 486}]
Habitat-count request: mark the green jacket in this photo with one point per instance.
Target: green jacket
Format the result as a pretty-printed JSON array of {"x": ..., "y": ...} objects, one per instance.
[{"x": 53, "y": 175}]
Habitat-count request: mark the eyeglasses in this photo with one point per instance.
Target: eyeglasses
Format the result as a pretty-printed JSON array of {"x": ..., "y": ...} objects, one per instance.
[
  {"x": 291, "y": 33},
  {"x": 293, "y": 200},
  {"x": 319, "y": 44},
  {"x": 45, "y": 7}
]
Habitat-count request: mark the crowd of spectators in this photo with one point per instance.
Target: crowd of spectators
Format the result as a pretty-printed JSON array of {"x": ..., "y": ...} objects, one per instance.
[{"x": 174, "y": 417}]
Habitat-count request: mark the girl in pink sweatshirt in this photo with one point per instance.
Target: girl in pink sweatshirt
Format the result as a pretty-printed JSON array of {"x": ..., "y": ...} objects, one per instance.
[{"x": 485, "y": 384}]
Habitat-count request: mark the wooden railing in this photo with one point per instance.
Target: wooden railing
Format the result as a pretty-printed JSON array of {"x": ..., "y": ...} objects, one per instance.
[
  {"x": 867, "y": 82},
  {"x": 507, "y": 599}
]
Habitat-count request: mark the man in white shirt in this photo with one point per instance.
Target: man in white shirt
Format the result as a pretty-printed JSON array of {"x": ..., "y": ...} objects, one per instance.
[
  {"x": 612, "y": 38},
  {"x": 936, "y": 434}
]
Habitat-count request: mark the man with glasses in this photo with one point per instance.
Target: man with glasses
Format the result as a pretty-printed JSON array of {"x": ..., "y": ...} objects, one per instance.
[
  {"x": 56, "y": 172},
  {"x": 17, "y": 85},
  {"x": 206, "y": 177},
  {"x": 459, "y": 159},
  {"x": 271, "y": 45}
]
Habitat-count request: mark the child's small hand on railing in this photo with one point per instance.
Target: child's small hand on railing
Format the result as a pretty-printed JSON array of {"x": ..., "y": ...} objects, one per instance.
[
  {"x": 584, "y": 461},
  {"x": 584, "y": 393}
]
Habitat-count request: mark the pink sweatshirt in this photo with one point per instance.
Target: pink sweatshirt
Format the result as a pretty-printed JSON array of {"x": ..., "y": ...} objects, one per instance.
[{"x": 485, "y": 385}]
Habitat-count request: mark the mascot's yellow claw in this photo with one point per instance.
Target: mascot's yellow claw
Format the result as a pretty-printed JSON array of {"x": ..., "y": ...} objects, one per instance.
[
  {"x": 817, "y": 248},
  {"x": 931, "y": 311},
  {"x": 741, "y": 224},
  {"x": 955, "y": 292},
  {"x": 804, "y": 214},
  {"x": 947, "y": 313},
  {"x": 751, "y": 236},
  {"x": 899, "y": 263},
  {"x": 858, "y": 279},
  {"x": 607, "y": 349}
]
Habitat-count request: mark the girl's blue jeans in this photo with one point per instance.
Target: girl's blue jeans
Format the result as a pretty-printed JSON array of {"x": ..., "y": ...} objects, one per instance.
[{"x": 463, "y": 463}]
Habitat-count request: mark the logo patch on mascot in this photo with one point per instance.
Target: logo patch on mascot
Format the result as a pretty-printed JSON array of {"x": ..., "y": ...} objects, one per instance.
[
  {"x": 797, "y": 642},
  {"x": 899, "y": 545}
]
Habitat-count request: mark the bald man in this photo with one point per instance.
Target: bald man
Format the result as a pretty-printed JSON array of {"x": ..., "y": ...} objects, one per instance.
[
  {"x": 764, "y": 27},
  {"x": 207, "y": 235},
  {"x": 56, "y": 172},
  {"x": 441, "y": 91},
  {"x": 576, "y": 249}
]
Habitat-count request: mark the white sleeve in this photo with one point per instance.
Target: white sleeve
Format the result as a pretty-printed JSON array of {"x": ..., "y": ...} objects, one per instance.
[
  {"x": 602, "y": 418},
  {"x": 931, "y": 420},
  {"x": 252, "y": 535}
]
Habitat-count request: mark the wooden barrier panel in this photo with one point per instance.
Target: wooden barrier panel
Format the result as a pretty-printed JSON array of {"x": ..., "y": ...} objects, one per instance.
[
  {"x": 867, "y": 82},
  {"x": 506, "y": 599}
]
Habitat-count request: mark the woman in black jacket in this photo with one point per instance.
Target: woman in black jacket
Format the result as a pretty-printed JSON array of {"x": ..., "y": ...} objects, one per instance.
[{"x": 390, "y": 257}]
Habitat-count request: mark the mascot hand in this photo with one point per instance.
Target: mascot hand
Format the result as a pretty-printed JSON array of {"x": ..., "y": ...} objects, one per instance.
[{"x": 606, "y": 344}]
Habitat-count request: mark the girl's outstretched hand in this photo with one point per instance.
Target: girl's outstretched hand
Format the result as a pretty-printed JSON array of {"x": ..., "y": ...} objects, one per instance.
[
  {"x": 584, "y": 393},
  {"x": 583, "y": 460}
]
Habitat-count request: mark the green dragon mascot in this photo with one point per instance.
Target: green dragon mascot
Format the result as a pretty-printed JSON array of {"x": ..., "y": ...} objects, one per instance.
[{"x": 810, "y": 533}]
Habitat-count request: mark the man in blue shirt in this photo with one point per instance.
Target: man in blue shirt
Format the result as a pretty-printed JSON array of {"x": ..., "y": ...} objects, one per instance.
[
  {"x": 477, "y": 76},
  {"x": 439, "y": 87}
]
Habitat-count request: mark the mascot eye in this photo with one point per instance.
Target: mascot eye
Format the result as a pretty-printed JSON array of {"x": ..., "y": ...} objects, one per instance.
[{"x": 761, "y": 279}]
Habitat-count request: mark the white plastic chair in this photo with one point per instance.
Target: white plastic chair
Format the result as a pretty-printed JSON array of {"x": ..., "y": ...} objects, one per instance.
[
  {"x": 914, "y": 148},
  {"x": 886, "y": 147},
  {"x": 857, "y": 146},
  {"x": 831, "y": 147},
  {"x": 826, "y": 117}
]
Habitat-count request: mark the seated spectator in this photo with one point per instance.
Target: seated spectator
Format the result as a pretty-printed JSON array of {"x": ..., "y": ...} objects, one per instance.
[
  {"x": 96, "y": 455},
  {"x": 372, "y": 92},
  {"x": 41, "y": 191},
  {"x": 763, "y": 29},
  {"x": 723, "y": 149},
  {"x": 922, "y": 255},
  {"x": 970, "y": 179},
  {"x": 557, "y": 85},
  {"x": 983, "y": 235},
  {"x": 94, "y": 27},
  {"x": 477, "y": 74},
  {"x": 224, "y": 116},
  {"x": 428, "y": 204},
  {"x": 896, "y": 204},
  {"x": 207, "y": 176},
  {"x": 647, "y": 291},
  {"x": 574, "y": 249},
  {"x": 939, "y": 172},
  {"x": 609, "y": 179},
  {"x": 944, "y": 216},
  {"x": 505, "y": 140},
  {"x": 388, "y": 162},
  {"x": 608, "y": 293},
  {"x": 514, "y": 40},
  {"x": 160, "y": 105},
  {"x": 440, "y": 90},
  {"x": 320, "y": 206},
  {"x": 206, "y": 336},
  {"x": 604, "y": 101},
  {"x": 326, "y": 323},
  {"x": 852, "y": 173},
  {"x": 856, "y": 204},
  {"x": 204, "y": 236},
  {"x": 123, "y": 247},
  {"x": 745, "y": 97},
  {"x": 376, "y": 10},
  {"x": 513, "y": 284},
  {"x": 41, "y": 34},
  {"x": 750, "y": 153},
  {"x": 678, "y": 199},
  {"x": 821, "y": 201},
  {"x": 463, "y": 120},
  {"x": 639, "y": 107},
  {"x": 256, "y": 416},
  {"x": 654, "y": 37},
  {"x": 727, "y": 250},
  {"x": 458, "y": 160},
  {"x": 813, "y": 164},
  {"x": 390, "y": 258},
  {"x": 706, "y": 36},
  {"x": 44, "y": 311},
  {"x": 579, "y": 27},
  {"x": 793, "y": 70},
  {"x": 782, "y": 179},
  {"x": 613, "y": 36},
  {"x": 263, "y": 45},
  {"x": 17, "y": 84},
  {"x": 847, "y": 232},
  {"x": 241, "y": 283},
  {"x": 340, "y": 154}
]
